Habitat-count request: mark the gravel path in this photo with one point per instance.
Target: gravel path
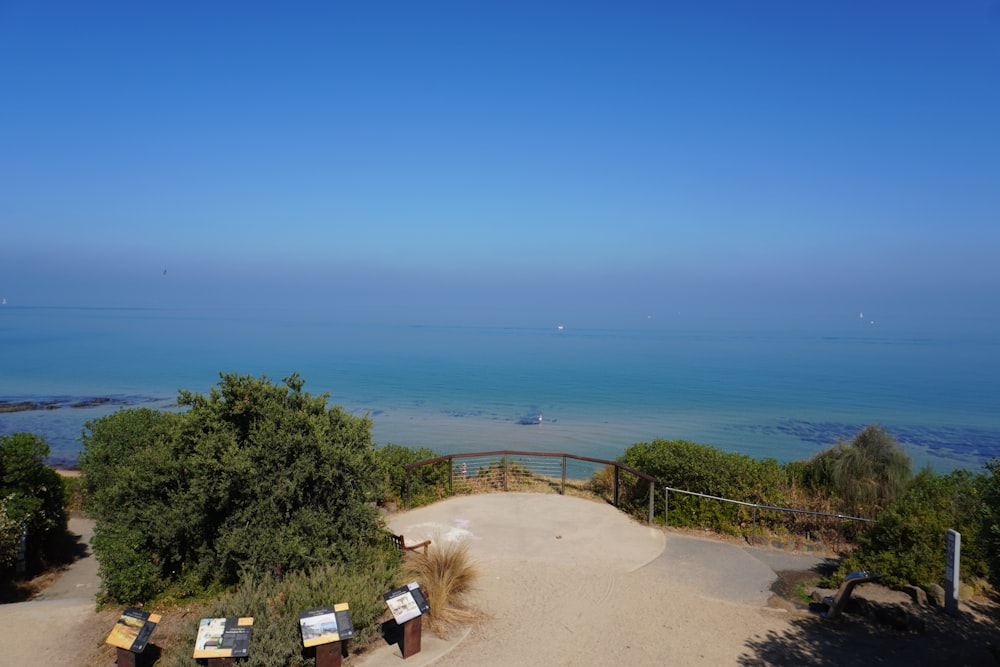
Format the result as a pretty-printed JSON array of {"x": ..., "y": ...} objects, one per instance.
[{"x": 49, "y": 629}]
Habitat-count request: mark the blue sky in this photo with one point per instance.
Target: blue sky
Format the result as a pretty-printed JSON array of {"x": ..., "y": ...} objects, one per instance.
[{"x": 600, "y": 163}]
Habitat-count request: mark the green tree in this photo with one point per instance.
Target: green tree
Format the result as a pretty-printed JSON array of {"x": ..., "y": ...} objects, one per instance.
[
  {"x": 33, "y": 496},
  {"x": 135, "y": 487},
  {"x": 254, "y": 478}
]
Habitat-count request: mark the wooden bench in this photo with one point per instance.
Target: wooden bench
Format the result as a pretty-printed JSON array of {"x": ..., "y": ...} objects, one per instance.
[
  {"x": 400, "y": 543},
  {"x": 835, "y": 603}
]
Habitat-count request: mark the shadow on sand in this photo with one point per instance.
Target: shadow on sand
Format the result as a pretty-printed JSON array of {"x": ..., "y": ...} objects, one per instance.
[{"x": 885, "y": 635}]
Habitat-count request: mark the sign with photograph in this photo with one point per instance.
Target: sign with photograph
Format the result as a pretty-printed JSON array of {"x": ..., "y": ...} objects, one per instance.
[
  {"x": 223, "y": 638},
  {"x": 406, "y": 602},
  {"x": 132, "y": 630},
  {"x": 326, "y": 624}
]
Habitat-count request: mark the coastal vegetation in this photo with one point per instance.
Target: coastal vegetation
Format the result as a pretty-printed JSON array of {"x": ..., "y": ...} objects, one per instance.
[
  {"x": 427, "y": 483},
  {"x": 254, "y": 479},
  {"x": 261, "y": 500},
  {"x": 447, "y": 575},
  {"x": 256, "y": 500},
  {"x": 869, "y": 477},
  {"x": 32, "y": 511}
]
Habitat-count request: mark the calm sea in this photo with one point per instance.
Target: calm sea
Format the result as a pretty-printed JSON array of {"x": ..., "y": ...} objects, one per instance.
[{"x": 776, "y": 394}]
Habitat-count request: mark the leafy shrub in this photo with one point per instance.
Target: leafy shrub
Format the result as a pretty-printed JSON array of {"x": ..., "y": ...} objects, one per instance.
[
  {"x": 255, "y": 478},
  {"x": 602, "y": 482},
  {"x": 10, "y": 535},
  {"x": 908, "y": 541},
  {"x": 990, "y": 535},
  {"x": 703, "y": 469},
  {"x": 427, "y": 483},
  {"x": 33, "y": 496},
  {"x": 275, "y": 604}
]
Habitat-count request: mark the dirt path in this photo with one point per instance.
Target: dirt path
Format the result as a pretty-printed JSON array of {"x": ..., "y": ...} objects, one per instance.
[{"x": 56, "y": 627}]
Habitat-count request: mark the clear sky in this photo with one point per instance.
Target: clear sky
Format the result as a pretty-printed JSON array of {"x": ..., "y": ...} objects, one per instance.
[{"x": 594, "y": 163}]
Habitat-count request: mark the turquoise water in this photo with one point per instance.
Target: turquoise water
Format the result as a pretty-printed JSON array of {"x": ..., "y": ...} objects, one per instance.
[{"x": 781, "y": 394}]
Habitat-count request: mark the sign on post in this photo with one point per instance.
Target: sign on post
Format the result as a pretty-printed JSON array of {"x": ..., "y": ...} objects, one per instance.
[
  {"x": 324, "y": 629},
  {"x": 952, "y": 578},
  {"x": 131, "y": 634},
  {"x": 223, "y": 638},
  {"x": 408, "y": 604}
]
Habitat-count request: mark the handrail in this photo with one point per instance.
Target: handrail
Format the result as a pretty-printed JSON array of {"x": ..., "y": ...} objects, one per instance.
[
  {"x": 505, "y": 453},
  {"x": 510, "y": 452},
  {"x": 755, "y": 506},
  {"x": 667, "y": 489}
]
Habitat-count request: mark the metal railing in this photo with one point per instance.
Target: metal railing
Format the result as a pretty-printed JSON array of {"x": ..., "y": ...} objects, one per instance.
[
  {"x": 505, "y": 469},
  {"x": 755, "y": 506}
]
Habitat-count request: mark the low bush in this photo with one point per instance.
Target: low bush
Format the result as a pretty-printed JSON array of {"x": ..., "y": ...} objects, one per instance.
[
  {"x": 446, "y": 575},
  {"x": 990, "y": 535},
  {"x": 907, "y": 542},
  {"x": 275, "y": 604},
  {"x": 863, "y": 475},
  {"x": 427, "y": 483},
  {"x": 702, "y": 469}
]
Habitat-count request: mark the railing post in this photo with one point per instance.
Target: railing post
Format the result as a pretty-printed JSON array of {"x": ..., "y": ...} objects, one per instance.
[
  {"x": 666, "y": 506},
  {"x": 616, "y": 487},
  {"x": 652, "y": 499},
  {"x": 408, "y": 489},
  {"x": 562, "y": 489},
  {"x": 451, "y": 476},
  {"x": 504, "y": 460},
  {"x": 753, "y": 535}
]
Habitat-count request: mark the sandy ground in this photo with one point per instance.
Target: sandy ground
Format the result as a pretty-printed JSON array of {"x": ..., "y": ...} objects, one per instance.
[{"x": 568, "y": 581}]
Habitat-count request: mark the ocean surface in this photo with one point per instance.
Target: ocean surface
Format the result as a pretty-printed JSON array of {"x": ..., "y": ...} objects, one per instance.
[{"x": 591, "y": 392}]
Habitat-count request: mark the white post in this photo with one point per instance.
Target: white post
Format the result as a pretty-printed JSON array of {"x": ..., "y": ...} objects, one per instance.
[{"x": 952, "y": 580}]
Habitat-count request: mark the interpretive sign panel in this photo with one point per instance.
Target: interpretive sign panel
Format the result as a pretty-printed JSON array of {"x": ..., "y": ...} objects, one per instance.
[
  {"x": 133, "y": 629},
  {"x": 406, "y": 602},
  {"x": 223, "y": 637},
  {"x": 952, "y": 577},
  {"x": 326, "y": 624}
]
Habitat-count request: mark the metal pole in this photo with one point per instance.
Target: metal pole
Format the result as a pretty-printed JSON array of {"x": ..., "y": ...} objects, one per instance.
[
  {"x": 652, "y": 498},
  {"x": 504, "y": 472},
  {"x": 451, "y": 477},
  {"x": 616, "y": 487},
  {"x": 562, "y": 490},
  {"x": 666, "y": 506},
  {"x": 408, "y": 489}
]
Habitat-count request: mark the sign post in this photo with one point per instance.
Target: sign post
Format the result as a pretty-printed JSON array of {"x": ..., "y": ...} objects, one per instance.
[
  {"x": 131, "y": 635},
  {"x": 952, "y": 580},
  {"x": 408, "y": 604},
  {"x": 325, "y": 629},
  {"x": 220, "y": 640}
]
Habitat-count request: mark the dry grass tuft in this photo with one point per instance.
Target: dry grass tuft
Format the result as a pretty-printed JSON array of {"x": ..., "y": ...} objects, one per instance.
[{"x": 446, "y": 575}]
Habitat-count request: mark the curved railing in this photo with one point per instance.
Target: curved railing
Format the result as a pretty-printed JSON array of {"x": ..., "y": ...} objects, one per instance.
[{"x": 505, "y": 464}]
